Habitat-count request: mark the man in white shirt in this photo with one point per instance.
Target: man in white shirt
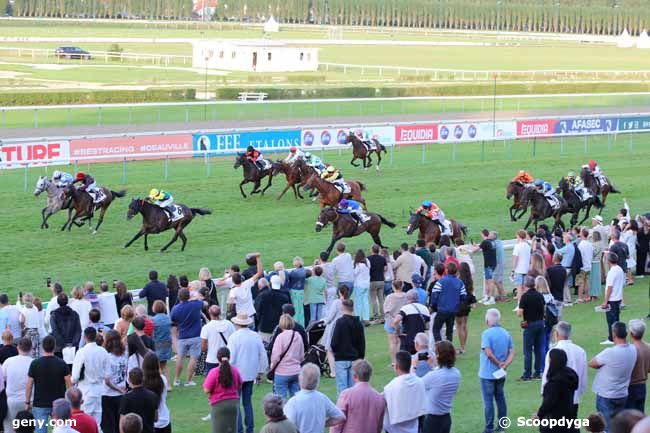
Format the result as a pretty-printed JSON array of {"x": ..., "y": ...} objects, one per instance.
[
  {"x": 107, "y": 306},
  {"x": 15, "y": 370},
  {"x": 613, "y": 295},
  {"x": 576, "y": 360},
  {"x": 240, "y": 298},
  {"x": 13, "y": 316},
  {"x": 343, "y": 267},
  {"x": 403, "y": 267},
  {"x": 520, "y": 261},
  {"x": 96, "y": 364},
  {"x": 614, "y": 365},
  {"x": 214, "y": 336},
  {"x": 247, "y": 353},
  {"x": 405, "y": 397},
  {"x": 587, "y": 255}
]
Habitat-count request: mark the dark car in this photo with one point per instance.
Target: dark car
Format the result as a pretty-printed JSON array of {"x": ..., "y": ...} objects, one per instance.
[{"x": 72, "y": 53}]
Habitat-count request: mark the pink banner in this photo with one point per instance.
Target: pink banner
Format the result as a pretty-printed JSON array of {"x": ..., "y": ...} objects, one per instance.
[
  {"x": 536, "y": 128},
  {"x": 416, "y": 133},
  {"x": 140, "y": 147}
]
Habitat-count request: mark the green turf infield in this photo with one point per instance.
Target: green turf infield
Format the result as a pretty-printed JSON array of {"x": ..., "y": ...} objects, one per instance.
[{"x": 468, "y": 189}]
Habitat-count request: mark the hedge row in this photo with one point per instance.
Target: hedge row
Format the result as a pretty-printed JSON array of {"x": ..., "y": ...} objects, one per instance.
[
  {"x": 469, "y": 89},
  {"x": 96, "y": 97}
]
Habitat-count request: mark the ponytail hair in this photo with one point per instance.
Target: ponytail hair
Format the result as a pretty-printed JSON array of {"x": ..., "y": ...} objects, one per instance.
[{"x": 225, "y": 371}]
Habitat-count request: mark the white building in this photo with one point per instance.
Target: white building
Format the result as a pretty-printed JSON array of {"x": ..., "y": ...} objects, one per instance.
[{"x": 262, "y": 56}]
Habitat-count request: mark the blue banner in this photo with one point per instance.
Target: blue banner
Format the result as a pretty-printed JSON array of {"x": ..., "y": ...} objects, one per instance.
[
  {"x": 638, "y": 123},
  {"x": 586, "y": 125},
  {"x": 238, "y": 141}
]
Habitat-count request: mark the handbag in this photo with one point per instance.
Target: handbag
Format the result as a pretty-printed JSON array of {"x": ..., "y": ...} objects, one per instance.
[{"x": 271, "y": 373}]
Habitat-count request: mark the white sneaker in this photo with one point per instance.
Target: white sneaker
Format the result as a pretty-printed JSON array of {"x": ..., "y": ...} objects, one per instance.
[
  {"x": 490, "y": 301},
  {"x": 190, "y": 383},
  {"x": 483, "y": 300},
  {"x": 606, "y": 343},
  {"x": 177, "y": 383},
  {"x": 206, "y": 418}
]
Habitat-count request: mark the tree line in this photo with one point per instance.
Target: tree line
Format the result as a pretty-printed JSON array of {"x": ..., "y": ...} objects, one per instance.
[{"x": 601, "y": 17}]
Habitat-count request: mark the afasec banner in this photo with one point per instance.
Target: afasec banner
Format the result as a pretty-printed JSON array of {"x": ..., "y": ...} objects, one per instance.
[
  {"x": 133, "y": 148},
  {"x": 332, "y": 137},
  {"x": 37, "y": 153},
  {"x": 536, "y": 128},
  {"x": 586, "y": 125},
  {"x": 238, "y": 141},
  {"x": 636, "y": 123},
  {"x": 422, "y": 133}
]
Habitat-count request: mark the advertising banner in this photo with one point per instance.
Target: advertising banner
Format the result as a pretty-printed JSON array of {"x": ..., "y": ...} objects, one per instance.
[
  {"x": 333, "y": 137},
  {"x": 450, "y": 132},
  {"x": 11, "y": 155},
  {"x": 154, "y": 145},
  {"x": 536, "y": 128},
  {"x": 637, "y": 123},
  {"x": 422, "y": 133},
  {"x": 496, "y": 130},
  {"x": 586, "y": 125},
  {"x": 239, "y": 141}
]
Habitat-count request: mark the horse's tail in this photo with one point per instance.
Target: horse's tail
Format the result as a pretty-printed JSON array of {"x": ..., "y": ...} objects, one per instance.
[
  {"x": 386, "y": 222},
  {"x": 362, "y": 187},
  {"x": 613, "y": 189},
  {"x": 121, "y": 193},
  {"x": 200, "y": 211},
  {"x": 382, "y": 148},
  {"x": 463, "y": 228}
]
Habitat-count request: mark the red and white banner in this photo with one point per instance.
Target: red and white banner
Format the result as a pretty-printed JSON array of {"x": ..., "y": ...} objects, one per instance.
[
  {"x": 536, "y": 128},
  {"x": 133, "y": 148},
  {"x": 424, "y": 133},
  {"x": 16, "y": 155}
]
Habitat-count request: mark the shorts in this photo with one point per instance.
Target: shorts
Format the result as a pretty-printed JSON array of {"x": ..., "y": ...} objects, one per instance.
[
  {"x": 498, "y": 273},
  {"x": 519, "y": 279},
  {"x": 389, "y": 329},
  {"x": 582, "y": 279},
  {"x": 489, "y": 272},
  {"x": 189, "y": 345}
]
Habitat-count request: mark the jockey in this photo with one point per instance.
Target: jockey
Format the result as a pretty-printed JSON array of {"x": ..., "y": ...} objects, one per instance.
[
  {"x": 523, "y": 177},
  {"x": 351, "y": 207},
  {"x": 315, "y": 162},
  {"x": 433, "y": 212},
  {"x": 576, "y": 183},
  {"x": 333, "y": 176},
  {"x": 162, "y": 199},
  {"x": 62, "y": 179},
  {"x": 255, "y": 157},
  {"x": 87, "y": 184},
  {"x": 595, "y": 170},
  {"x": 548, "y": 190},
  {"x": 365, "y": 137},
  {"x": 294, "y": 155}
]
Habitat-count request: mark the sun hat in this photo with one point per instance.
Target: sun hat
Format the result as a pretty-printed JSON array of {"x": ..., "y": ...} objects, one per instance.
[{"x": 242, "y": 319}]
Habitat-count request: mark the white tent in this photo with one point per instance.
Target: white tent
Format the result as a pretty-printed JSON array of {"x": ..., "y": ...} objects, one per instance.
[
  {"x": 625, "y": 40},
  {"x": 643, "y": 41},
  {"x": 271, "y": 26}
]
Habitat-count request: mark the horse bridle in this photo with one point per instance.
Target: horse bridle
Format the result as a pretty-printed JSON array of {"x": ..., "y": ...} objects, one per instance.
[{"x": 320, "y": 224}]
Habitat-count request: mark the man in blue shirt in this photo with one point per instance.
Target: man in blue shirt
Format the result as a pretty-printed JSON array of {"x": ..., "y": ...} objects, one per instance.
[
  {"x": 186, "y": 317},
  {"x": 446, "y": 296},
  {"x": 497, "y": 352},
  {"x": 567, "y": 251},
  {"x": 154, "y": 290}
]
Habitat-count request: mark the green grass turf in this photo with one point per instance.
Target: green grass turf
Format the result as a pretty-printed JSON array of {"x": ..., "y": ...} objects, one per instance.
[
  {"x": 299, "y": 110},
  {"x": 468, "y": 189}
]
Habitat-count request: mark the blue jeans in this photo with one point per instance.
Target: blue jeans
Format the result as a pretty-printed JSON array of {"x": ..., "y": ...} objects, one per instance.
[
  {"x": 388, "y": 288},
  {"x": 547, "y": 345},
  {"x": 613, "y": 316},
  {"x": 42, "y": 416},
  {"x": 285, "y": 386},
  {"x": 492, "y": 390},
  {"x": 636, "y": 397},
  {"x": 343, "y": 376},
  {"x": 246, "y": 397},
  {"x": 533, "y": 340},
  {"x": 609, "y": 407},
  {"x": 316, "y": 312}
]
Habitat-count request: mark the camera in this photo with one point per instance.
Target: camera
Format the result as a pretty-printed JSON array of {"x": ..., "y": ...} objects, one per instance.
[
  {"x": 423, "y": 356},
  {"x": 48, "y": 281}
]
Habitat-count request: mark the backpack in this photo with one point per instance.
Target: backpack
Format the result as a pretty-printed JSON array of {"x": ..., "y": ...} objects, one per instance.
[
  {"x": 576, "y": 264},
  {"x": 551, "y": 315}
]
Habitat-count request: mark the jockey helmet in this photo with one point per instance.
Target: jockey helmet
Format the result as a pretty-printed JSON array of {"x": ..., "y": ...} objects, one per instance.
[
  {"x": 360, "y": 133},
  {"x": 539, "y": 182},
  {"x": 427, "y": 204},
  {"x": 343, "y": 203},
  {"x": 250, "y": 149},
  {"x": 331, "y": 169},
  {"x": 522, "y": 172},
  {"x": 307, "y": 155},
  {"x": 80, "y": 176},
  {"x": 154, "y": 193},
  {"x": 56, "y": 174},
  {"x": 571, "y": 174},
  {"x": 293, "y": 149},
  {"x": 592, "y": 164}
]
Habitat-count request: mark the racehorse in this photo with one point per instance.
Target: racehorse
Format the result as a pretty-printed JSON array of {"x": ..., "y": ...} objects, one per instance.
[
  {"x": 84, "y": 206},
  {"x": 155, "y": 220},
  {"x": 345, "y": 226},
  {"x": 330, "y": 195},
  {"x": 514, "y": 192},
  {"x": 292, "y": 173},
  {"x": 361, "y": 151},
  {"x": 591, "y": 183},
  {"x": 430, "y": 231},
  {"x": 55, "y": 200},
  {"x": 540, "y": 209},
  {"x": 575, "y": 203},
  {"x": 252, "y": 174}
]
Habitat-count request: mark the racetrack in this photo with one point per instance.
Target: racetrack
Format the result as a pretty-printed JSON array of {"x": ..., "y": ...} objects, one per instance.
[{"x": 68, "y": 131}]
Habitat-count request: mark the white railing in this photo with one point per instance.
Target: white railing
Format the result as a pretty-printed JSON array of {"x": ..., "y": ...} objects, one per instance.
[{"x": 156, "y": 59}]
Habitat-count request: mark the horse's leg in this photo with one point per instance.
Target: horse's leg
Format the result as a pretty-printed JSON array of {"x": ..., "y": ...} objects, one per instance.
[
  {"x": 146, "y": 241},
  {"x": 256, "y": 187},
  {"x": 241, "y": 184},
  {"x": 173, "y": 239},
  {"x": 71, "y": 217},
  {"x": 603, "y": 201},
  {"x": 298, "y": 192},
  {"x": 135, "y": 238},
  {"x": 378, "y": 160},
  {"x": 268, "y": 185},
  {"x": 352, "y": 162},
  {"x": 45, "y": 217},
  {"x": 586, "y": 214},
  {"x": 510, "y": 211},
  {"x": 101, "y": 219},
  {"x": 369, "y": 161},
  {"x": 183, "y": 239},
  {"x": 377, "y": 239},
  {"x": 530, "y": 220},
  {"x": 286, "y": 188}
]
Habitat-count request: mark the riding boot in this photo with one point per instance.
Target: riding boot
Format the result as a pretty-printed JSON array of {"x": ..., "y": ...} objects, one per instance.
[
  {"x": 442, "y": 227},
  {"x": 170, "y": 209}
]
